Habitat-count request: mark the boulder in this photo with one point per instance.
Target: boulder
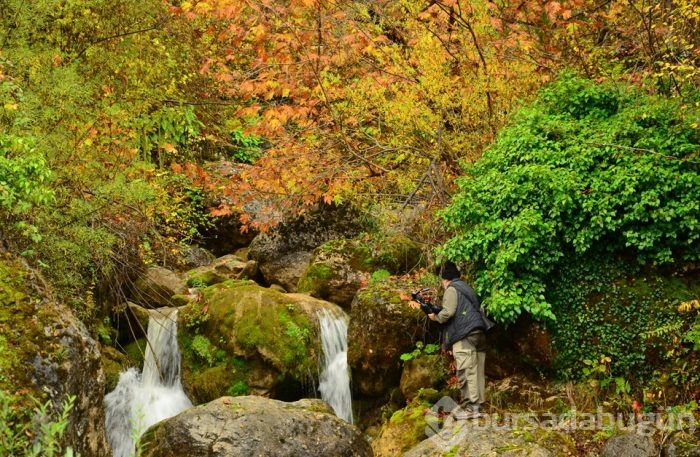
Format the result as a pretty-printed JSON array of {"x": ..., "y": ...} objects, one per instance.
[
  {"x": 284, "y": 252},
  {"x": 426, "y": 428},
  {"x": 222, "y": 269},
  {"x": 338, "y": 268},
  {"x": 252, "y": 426},
  {"x": 157, "y": 287},
  {"x": 195, "y": 256},
  {"x": 630, "y": 445},
  {"x": 427, "y": 371},
  {"x": 335, "y": 272},
  {"x": 48, "y": 354},
  {"x": 242, "y": 338},
  {"x": 382, "y": 327}
]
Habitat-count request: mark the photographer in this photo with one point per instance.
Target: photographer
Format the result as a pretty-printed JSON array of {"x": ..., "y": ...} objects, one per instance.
[{"x": 463, "y": 332}]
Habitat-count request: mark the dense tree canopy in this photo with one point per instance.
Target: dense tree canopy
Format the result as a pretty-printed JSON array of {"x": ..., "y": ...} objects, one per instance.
[
  {"x": 587, "y": 169},
  {"x": 120, "y": 109}
]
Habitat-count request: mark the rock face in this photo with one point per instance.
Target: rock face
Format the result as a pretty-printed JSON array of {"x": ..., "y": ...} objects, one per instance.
[
  {"x": 157, "y": 287},
  {"x": 382, "y": 327},
  {"x": 338, "y": 268},
  {"x": 284, "y": 253},
  {"x": 630, "y": 445},
  {"x": 47, "y": 353},
  {"x": 256, "y": 426},
  {"x": 270, "y": 341}
]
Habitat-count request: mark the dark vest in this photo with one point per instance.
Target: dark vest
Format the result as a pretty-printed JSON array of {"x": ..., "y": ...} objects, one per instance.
[{"x": 467, "y": 318}]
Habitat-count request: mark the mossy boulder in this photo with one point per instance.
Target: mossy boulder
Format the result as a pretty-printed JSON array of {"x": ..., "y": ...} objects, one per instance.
[
  {"x": 336, "y": 271},
  {"x": 383, "y": 327},
  {"x": 338, "y": 268},
  {"x": 220, "y": 270},
  {"x": 157, "y": 287},
  {"x": 47, "y": 354},
  {"x": 425, "y": 371},
  {"x": 252, "y": 425},
  {"x": 404, "y": 429},
  {"x": 113, "y": 363},
  {"x": 241, "y": 338},
  {"x": 284, "y": 252}
]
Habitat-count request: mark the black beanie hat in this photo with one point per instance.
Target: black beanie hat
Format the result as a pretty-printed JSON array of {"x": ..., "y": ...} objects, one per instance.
[{"x": 449, "y": 271}]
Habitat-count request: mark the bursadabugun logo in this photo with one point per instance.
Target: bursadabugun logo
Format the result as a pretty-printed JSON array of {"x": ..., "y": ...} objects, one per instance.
[
  {"x": 447, "y": 425},
  {"x": 443, "y": 424}
]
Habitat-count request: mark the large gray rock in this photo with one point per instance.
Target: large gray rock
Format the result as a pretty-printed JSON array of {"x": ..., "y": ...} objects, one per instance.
[
  {"x": 255, "y": 426},
  {"x": 284, "y": 252},
  {"x": 78, "y": 372},
  {"x": 630, "y": 445},
  {"x": 157, "y": 287}
]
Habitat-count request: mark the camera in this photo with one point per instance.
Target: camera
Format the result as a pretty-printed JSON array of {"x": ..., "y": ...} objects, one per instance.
[{"x": 425, "y": 305}]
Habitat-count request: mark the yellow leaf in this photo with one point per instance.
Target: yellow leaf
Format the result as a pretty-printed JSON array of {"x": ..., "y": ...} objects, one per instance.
[{"x": 11, "y": 106}]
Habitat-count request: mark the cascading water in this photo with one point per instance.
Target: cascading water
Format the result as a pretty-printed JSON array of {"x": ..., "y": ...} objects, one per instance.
[
  {"x": 335, "y": 376},
  {"x": 143, "y": 399}
]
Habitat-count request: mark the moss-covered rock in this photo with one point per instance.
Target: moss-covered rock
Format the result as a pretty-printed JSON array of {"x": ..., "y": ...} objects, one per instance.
[
  {"x": 336, "y": 271},
  {"x": 259, "y": 341},
  {"x": 284, "y": 252},
  {"x": 113, "y": 363},
  {"x": 404, "y": 430},
  {"x": 425, "y": 371},
  {"x": 382, "y": 327},
  {"x": 220, "y": 270},
  {"x": 338, "y": 268},
  {"x": 47, "y": 354}
]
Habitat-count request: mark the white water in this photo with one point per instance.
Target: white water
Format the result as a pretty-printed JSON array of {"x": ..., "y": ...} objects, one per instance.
[
  {"x": 143, "y": 399},
  {"x": 335, "y": 375}
]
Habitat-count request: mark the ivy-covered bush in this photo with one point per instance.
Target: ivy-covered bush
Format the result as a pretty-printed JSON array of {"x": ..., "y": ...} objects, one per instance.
[{"x": 587, "y": 169}]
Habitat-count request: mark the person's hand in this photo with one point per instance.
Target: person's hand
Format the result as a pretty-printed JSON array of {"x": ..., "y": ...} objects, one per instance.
[
  {"x": 414, "y": 304},
  {"x": 431, "y": 316}
]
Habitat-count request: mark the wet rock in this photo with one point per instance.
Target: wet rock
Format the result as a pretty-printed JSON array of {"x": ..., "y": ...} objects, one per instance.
[
  {"x": 157, "y": 287},
  {"x": 382, "y": 327},
  {"x": 284, "y": 252},
  {"x": 247, "y": 426},
  {"x": 220, "y": 270}
]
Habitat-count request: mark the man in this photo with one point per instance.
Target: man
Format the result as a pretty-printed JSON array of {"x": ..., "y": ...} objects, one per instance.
[{"x": 464, "y": 334}]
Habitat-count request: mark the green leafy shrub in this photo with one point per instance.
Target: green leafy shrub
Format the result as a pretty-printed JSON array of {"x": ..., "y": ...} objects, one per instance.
[
  {"x": 588, "y": 169},
  {"x": 246, "y": 148},
  {"x": 420, "y": 349},
  {"x": 15, "y": 429}
]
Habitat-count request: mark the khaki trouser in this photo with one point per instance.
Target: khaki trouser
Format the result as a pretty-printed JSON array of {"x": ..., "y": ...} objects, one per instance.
[{"x": 470, "y": 359}]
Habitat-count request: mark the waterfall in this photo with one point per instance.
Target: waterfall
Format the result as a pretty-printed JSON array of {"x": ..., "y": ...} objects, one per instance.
[
  {"x": 335, "y": 376},
  {"x": 143, "y": 399}
]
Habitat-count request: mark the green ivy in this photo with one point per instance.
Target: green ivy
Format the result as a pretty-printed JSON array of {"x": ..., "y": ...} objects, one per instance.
[
  {"x": 612, "y": 309},
  {"x": 588, "y": 169}
]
